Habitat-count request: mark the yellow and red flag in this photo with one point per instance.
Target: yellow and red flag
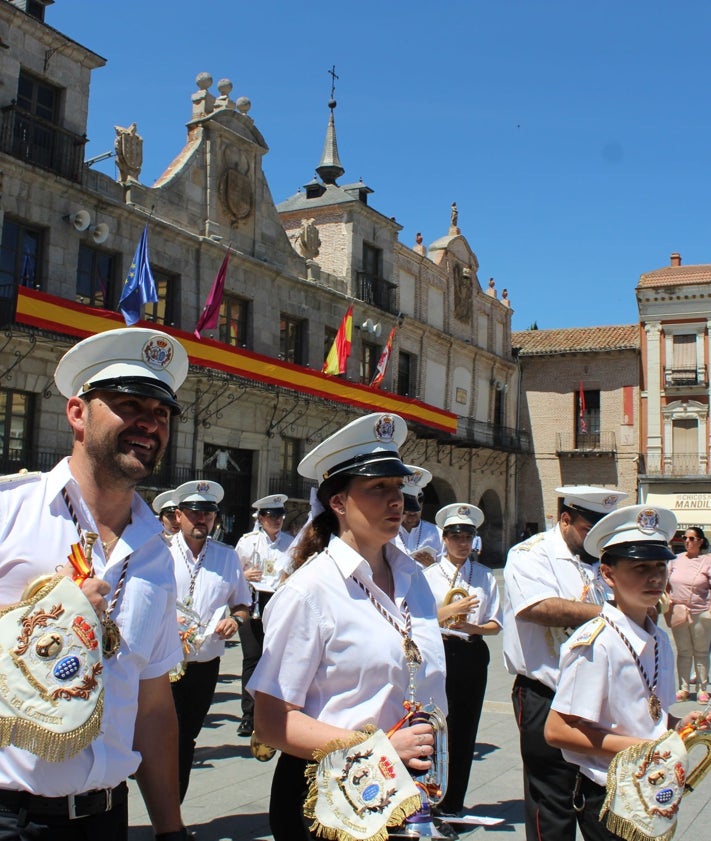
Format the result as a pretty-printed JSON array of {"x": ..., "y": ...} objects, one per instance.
[{"x": 341, "y": 348}]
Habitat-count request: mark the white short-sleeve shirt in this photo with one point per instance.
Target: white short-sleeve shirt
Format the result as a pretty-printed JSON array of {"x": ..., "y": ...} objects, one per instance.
[
  {"x": 328, "y": 651},
  {"x": 600, "y": 683},
  {"x": 274, "y": 555},
  {"x": 541, "y": 567},
  {"x": 423, "y": 534},
  {"x": 219, "y": 584},
  {"x": 473, "y": 577},
  {"x": 36, "y": 533}
]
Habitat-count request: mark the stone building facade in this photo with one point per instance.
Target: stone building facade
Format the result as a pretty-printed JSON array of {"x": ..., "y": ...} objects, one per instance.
[
  {"x": 674, "y": 305},
  {"x": 255, "y": 400},
  {"x": 580, "y": 402}
]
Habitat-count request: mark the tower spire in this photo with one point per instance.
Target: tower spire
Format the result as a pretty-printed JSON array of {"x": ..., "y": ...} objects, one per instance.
[{"x": 330, "y": 168}]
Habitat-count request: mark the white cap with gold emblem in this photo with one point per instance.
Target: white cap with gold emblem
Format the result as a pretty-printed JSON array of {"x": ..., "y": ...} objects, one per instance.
[
  {"x": 367, "y": 446},
  {"x": 272, "y": 504},
  {"x": 592, "y": 502},
  {"x": 459, "y": 514},
  {"x": 637, "y": 532},
  {"x": 163, "y": 501},
  {"x": 133, "y": 360},
  {"x": 199, "y": 495}
]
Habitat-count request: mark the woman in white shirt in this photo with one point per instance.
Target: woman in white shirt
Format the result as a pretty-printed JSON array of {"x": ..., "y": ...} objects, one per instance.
[
  {"x": 465, "y": 622},
  {"x": 339, "y": 629}
]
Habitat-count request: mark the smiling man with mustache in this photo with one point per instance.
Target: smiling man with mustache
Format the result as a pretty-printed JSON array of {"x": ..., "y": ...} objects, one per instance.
[{"x": 120, "y": 388}]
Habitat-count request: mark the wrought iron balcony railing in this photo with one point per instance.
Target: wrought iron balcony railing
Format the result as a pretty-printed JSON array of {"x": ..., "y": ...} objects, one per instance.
[
  {"x": 680, "y": 464},
  {"x": 482, "y": 434},
  {"x": 41, "y": 143},
  {"x": 377, "y": 291},
  {"x": 295, "y": 487},
  {"x": 586, "y": 443},
  {"x": 685, "y": 377}
]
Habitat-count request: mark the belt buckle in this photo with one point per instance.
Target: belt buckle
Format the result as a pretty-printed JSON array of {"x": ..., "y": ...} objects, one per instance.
[{"x": 72, "y": 803}]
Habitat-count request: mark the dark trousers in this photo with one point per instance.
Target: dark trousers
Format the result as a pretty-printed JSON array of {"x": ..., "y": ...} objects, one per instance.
[
  {"x": 548, "y": 780},
  {"x": 192, "y": 695},
  {"x": 467, "y": 664},
  {"x": 286, "y": 805},
  {"x": 251, "y": 637},
  {"x": 589, "y": 797},
  {"x": 106, "y": 826}
]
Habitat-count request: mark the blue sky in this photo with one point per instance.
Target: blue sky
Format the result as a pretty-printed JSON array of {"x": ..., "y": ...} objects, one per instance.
[{"x": 574, "y": 136}]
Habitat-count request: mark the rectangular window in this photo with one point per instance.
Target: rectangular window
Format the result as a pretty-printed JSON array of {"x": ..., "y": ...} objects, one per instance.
[
  {"x": 15, "y": 427},
  {"x": 37, "y": 114},
  {"x": 96, "y": 274},
  {"x": 407, "y": 374},
  {"x": 587, "y": 420},
  {"x": 167, "y": 310},
  {"x": 369, "y": 356},
  {"x": 291, "y": 339},
  {"x": 20, "y": 256},
  {"x": 329, "y": 337},
  {"x": 234, "y": 321},
  {"x": 372, "y": 260},
  {"x": 37, "y": 97},
  {"x": 293, "y": 453}
]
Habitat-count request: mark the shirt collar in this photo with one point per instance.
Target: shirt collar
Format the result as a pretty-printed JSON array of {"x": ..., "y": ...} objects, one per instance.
[
  {"x": 638, "y": 637},
  {"x": 349, "y": 561}
]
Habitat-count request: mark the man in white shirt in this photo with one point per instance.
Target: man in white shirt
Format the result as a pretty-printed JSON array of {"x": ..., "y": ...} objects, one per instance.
[
  {"x": 120, "y": 388},
  {"x": 551, "y": 587},
  {"x": 420, "y": 539},
  {"x": 212, "y": 603},
  {"x": 264, "y": 559}
]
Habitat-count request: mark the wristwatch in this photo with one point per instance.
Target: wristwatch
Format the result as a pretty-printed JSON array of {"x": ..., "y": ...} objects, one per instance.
[{"x": 238, "y": 619}]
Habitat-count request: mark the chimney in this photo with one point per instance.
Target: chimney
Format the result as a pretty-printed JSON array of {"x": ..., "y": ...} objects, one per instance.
[{"x": 676, "y": 259}]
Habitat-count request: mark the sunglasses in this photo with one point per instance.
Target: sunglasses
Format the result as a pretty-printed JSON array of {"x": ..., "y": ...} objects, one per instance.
[{"x": 692, "y": 539}]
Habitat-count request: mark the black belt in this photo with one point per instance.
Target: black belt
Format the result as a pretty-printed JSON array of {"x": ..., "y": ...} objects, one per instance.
[
  {"x": 71, "y": 806},
  {"x": 535, "y": 685}
]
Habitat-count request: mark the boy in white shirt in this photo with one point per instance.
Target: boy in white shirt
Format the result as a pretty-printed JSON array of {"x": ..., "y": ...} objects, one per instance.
[{"x": 617, "y": 670}]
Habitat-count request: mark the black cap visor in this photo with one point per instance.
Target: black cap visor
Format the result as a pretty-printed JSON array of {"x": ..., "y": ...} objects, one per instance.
[
  {"x": 591, "y": 516},
  {"x": 370, "y": 465},
  {"x": 459, "y": 528},
  {"x": 642, "y": 550},
  {"x": 199, "y": 505},
  {"x": 140, "y": 386},
  {"x": 272, "y": 512},
  {"x": 411, "y": 503}
]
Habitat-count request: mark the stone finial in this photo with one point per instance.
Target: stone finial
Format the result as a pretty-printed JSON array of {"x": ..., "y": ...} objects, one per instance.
[
  {"x": 224, "y": 86},
  {"x": 128, "y": 146},
  {"x": 505, "y": 298},
  {"x": 203, "y": 101},
  {"x": 418, "y": 247},
  {"x": 491, "y": 289},
  {"x": 244, "y": 103}
]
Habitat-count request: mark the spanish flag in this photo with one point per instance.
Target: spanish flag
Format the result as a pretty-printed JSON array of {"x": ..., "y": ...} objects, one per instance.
[{"x": 341, "y": 348}]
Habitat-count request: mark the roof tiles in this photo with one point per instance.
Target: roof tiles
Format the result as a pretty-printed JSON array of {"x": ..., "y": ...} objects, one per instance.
[{"x": 576, "y": 339}]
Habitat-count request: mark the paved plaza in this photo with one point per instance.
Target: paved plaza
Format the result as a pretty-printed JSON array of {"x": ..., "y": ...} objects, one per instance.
[{"x": 228, "y": 799}]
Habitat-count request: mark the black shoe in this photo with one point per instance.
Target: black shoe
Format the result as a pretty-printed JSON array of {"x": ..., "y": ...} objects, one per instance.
[{"x": 246, "y": 727}]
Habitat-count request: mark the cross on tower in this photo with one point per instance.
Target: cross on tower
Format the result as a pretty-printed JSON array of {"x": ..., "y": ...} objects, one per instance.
[{"x": 332, "y": 74}]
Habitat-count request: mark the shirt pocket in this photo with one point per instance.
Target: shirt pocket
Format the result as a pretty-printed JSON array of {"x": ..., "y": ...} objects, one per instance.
[{"x": 142, "y": 619}]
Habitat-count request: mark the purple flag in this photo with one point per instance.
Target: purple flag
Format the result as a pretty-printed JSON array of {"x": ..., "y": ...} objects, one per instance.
[{"x": 210, "y": 315}]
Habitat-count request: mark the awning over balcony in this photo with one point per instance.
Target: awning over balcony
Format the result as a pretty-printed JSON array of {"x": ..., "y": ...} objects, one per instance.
[{"x": 692, "y": 508}]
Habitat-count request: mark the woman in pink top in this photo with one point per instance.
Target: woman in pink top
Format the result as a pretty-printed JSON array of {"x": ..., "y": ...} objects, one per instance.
[{"x": 689, "y": 618}]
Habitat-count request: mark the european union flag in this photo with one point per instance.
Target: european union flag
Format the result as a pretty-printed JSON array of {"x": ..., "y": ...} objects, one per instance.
[{"x": 139, "y": 288}]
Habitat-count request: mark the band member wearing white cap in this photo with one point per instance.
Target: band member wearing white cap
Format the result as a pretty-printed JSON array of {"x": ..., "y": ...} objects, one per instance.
[
  {"x": 617, "y": 670},
  {"x": 212, "y": 587},
  {"x": 344, "y": 629},
  {"x": 120, "y": 388},
  {"x": 264, "y": 558},
  {"x": 422, "y": 540},
  {"x": 468, "y": 605},
  {"x": 166, "y": 508},
  {"x": 551, "y": 586}
]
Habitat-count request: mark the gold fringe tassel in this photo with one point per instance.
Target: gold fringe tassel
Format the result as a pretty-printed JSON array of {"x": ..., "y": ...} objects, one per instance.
[
  {"x": 52, "y": 747},
  {"x": 405, "y": 809},
  {"x": 623, "y": 827}
]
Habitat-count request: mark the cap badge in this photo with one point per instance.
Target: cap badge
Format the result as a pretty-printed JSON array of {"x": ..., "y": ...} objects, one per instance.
[
  {"x": 609, "y": 501},
  {"x": 202, "y": 487},
  {"x": 463, "y": 511},
  {"x": 648, "y": 521},
  {"x": 385, "y": 428},
  {"x": 157, "y": 352},
  {"x": 413, "y": 479}
]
